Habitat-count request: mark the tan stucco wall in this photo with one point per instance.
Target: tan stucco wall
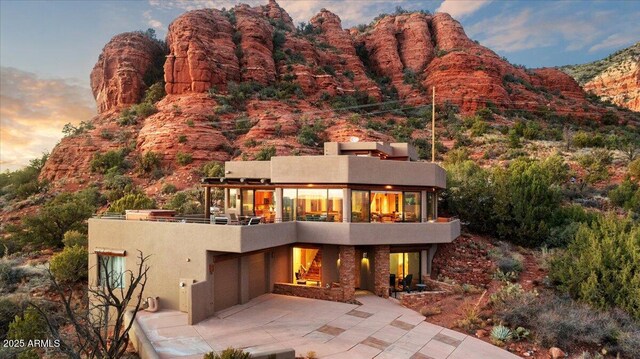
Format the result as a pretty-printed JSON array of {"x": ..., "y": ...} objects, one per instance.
[{"x": 340, "y": 169}]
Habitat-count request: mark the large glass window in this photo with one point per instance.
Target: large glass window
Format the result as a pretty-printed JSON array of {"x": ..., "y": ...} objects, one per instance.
[
  {"x": 404, "y": 264},
  {"x": 111, "y": 268},
  {"x": 311, "y": 205},
  {"x": 411, "y": 207},
  {"x": 233, "y": 200},
  {"x": 334, "y": 207},
  {"x": 288, "y": 204},
  {"x": 431, "y": 206},
  {"x": 386, "y": 206},
  {"x": 247, "y": 202},
  {"x": 265, "y": 205},
  {"x": 307, "y": 265},
  {"x": 360, "y": 206}
]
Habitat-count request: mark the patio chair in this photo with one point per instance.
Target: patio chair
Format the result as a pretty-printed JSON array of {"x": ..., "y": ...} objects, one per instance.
[
  {"x": 233, "y": 219},
  {"x": 254, "y": 220},
  {"x": 406, "y": 283}
]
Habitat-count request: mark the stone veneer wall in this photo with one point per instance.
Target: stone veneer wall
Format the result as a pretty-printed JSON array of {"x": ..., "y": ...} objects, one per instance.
[
  {"x": 297, "y": 290},
  {"x": 347, "y": 272},
  {"x": 381, "y": 271},
  {"x": 420, "y": 299}
]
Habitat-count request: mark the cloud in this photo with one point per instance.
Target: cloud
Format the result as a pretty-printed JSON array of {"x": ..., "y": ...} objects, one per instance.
[
  {"x": 350, "y": 12},
  {"x": 156, "y": 24},
  {"x": 33, "y": 111},
  {"x": 461, "y": 8},
  {"x": 614, "y": 41},
  {"x": 553, "y": 25}
]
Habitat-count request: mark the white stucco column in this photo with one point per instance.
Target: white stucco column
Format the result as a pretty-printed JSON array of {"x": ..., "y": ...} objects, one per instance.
[
  {"x": 346, "y": 205},
  {"x": 423, "y": 206},
  {"x": 226, "y": 200},
  {"x": 278, "y": 194}
]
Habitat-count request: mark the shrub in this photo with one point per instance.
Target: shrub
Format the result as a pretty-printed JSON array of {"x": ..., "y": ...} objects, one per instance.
[
  {"x": 149, "y": 162},
  {"x": 243, "y": 125},
  {"x": 626, "y": 195},
  {"x": 471, "y": 319},
  {"x": 70, "y": 130},
  {"x": 479, "y": 128},
  {"x": 584, "y": 139},
  {"x": 311, "y": 134},
  {"x": 154, "y": 93},
  {"x": 10, "y": 274},
  {"x": 113, "y": 159},
  {"x": 182, "y": 139},
  {"x": 595, "y": 166},
  {"x": 67, "y": 211},
  {"x": 265, "y": 153},
  {"x": 600, "y": 266},
  {"x": 132, "y": 201},
  {"x": 24, "y": 182},
  {"x": 8, "y": 310},
  {"x": 228, "y": 353},
  {"x": 213, "y": 169},
  {"x": 75, "y": 238},
  {"x": 70, "y": 266},
  {"x": 409, "y": 76},
  {"x": 29, "y": 326},
  {"x": 510, "y": 264},
  {"x": 184, "y": 159},
  {"x": 186, "y": 202},
  {"x": 634, "y": 169},
  {"x": 168, "y": 188}
]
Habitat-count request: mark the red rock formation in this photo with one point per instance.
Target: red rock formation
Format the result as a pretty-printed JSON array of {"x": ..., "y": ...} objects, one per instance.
[
  {"x": 117, "y": 79},
  {"x": 202, "y": 52},
  {"x": 257, "y": 45},
  {"x": 619, "y": 84}
]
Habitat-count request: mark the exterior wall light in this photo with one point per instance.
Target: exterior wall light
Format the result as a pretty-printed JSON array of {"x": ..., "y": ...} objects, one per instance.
[{"x": 364, "y": 255}]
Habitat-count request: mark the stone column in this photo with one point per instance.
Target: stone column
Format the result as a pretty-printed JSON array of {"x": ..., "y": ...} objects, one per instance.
[
  {"x": 381, "y": 271},
  {"x": 278, "y": 199},
  {"x": 347, "y": 272}
]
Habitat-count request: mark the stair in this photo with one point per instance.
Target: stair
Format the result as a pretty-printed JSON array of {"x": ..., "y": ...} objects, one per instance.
[{"x": 314, "y": 272}]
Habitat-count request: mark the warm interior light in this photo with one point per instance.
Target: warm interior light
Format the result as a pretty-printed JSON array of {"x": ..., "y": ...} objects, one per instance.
[
  {"x": 388, "y": 187},
  {"x": 309, "y": 185}
]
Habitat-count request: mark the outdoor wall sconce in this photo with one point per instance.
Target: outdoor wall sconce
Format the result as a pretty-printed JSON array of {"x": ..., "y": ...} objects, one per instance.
[
  {"x": 182, "y": 284},
  {"x": 364, "y": 255}
]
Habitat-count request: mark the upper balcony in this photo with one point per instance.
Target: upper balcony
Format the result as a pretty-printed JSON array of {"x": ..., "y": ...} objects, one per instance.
[{"x": 118, "y": 232}]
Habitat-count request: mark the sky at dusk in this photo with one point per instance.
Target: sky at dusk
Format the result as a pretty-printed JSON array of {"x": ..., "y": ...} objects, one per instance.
[{"x": 48, "y": 48}]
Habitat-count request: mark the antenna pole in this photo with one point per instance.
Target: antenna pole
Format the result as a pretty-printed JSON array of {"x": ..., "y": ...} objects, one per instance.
[{"x": 433, "y": 126}]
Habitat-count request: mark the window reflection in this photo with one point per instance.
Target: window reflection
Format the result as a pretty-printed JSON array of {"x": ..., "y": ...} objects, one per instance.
[
  {"x": 359, "y": 206},
  {"x": 386, "y": 206}
]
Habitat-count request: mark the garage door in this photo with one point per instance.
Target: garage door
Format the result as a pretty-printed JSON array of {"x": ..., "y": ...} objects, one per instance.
[
  {"x": 258, "y": 275},
  {"x": 226, "y": 279}
]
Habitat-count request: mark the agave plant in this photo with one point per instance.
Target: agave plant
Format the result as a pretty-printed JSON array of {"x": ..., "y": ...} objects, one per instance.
[{"x": 501, "y": 334}]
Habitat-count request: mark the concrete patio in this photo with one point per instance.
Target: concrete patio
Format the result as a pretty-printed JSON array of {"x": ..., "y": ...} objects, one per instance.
[{"x": 379, "y": 328}]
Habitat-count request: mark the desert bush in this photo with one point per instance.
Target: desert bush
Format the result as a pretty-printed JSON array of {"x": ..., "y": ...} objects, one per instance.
[
  {"x": 28, "y": 326},
  {"x": 75, "y": 238},
  {"x": 10, "y": 275},
  {"x": 67, "y": 211},
  {"x": 626, "y": 195},
  {"x": 184, "y": 159},
  {"x": 470, "y": 320},
  {"x": 154, "y": 93},
  {"x": 265, "y": 153},
  {"x": 149, "y": 162},
  {"x": 70, "y": 266},
  {"x": 229, "y": 353},
  {"x": 113, "y": 159},
  {"x": 311, "y": 134},
  {"x": 213, "y": 169},
  {"x": 168, "y": 188},
  {"x": 24, "y": 182},
  {"x": 595, "y": 166},
  {"x": 479, "y": 128},
  {"x": 584, "y": 139},
  {"x": 132, "y": 201},
  {"x": 8, "y": 310},
  {"x": 601, "y": 265},
  {"x": 186, "y": 202}
]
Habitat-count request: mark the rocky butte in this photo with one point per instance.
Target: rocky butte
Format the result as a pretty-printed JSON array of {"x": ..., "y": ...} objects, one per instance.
[{"x": 245, "y": 80}]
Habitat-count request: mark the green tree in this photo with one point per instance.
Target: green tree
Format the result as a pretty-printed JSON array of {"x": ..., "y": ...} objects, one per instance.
[
  {"x": 75, "y": 238},
  {"x": 595, "y": 166},
  {"x": 469, "y": 194},
  {"x": 70, "y": 265},
  {"x": 29, "y": 326},
  {"x": 66, "y": 212},
  {"x": 527, "y": 196},
  {"x": 602, "y": 265},
  {"x": 132, "y": 201}
]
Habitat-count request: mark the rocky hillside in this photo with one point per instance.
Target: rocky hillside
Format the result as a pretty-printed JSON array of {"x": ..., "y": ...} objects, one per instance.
[
  {"x": 246, "y": 83},
  {"x": 615, "y": 78}
]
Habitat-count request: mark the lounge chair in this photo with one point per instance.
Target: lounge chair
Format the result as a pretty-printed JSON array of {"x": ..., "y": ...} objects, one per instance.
[
  {"x": 254, "y": 220},
  {"x": 233, "y": 219}
]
